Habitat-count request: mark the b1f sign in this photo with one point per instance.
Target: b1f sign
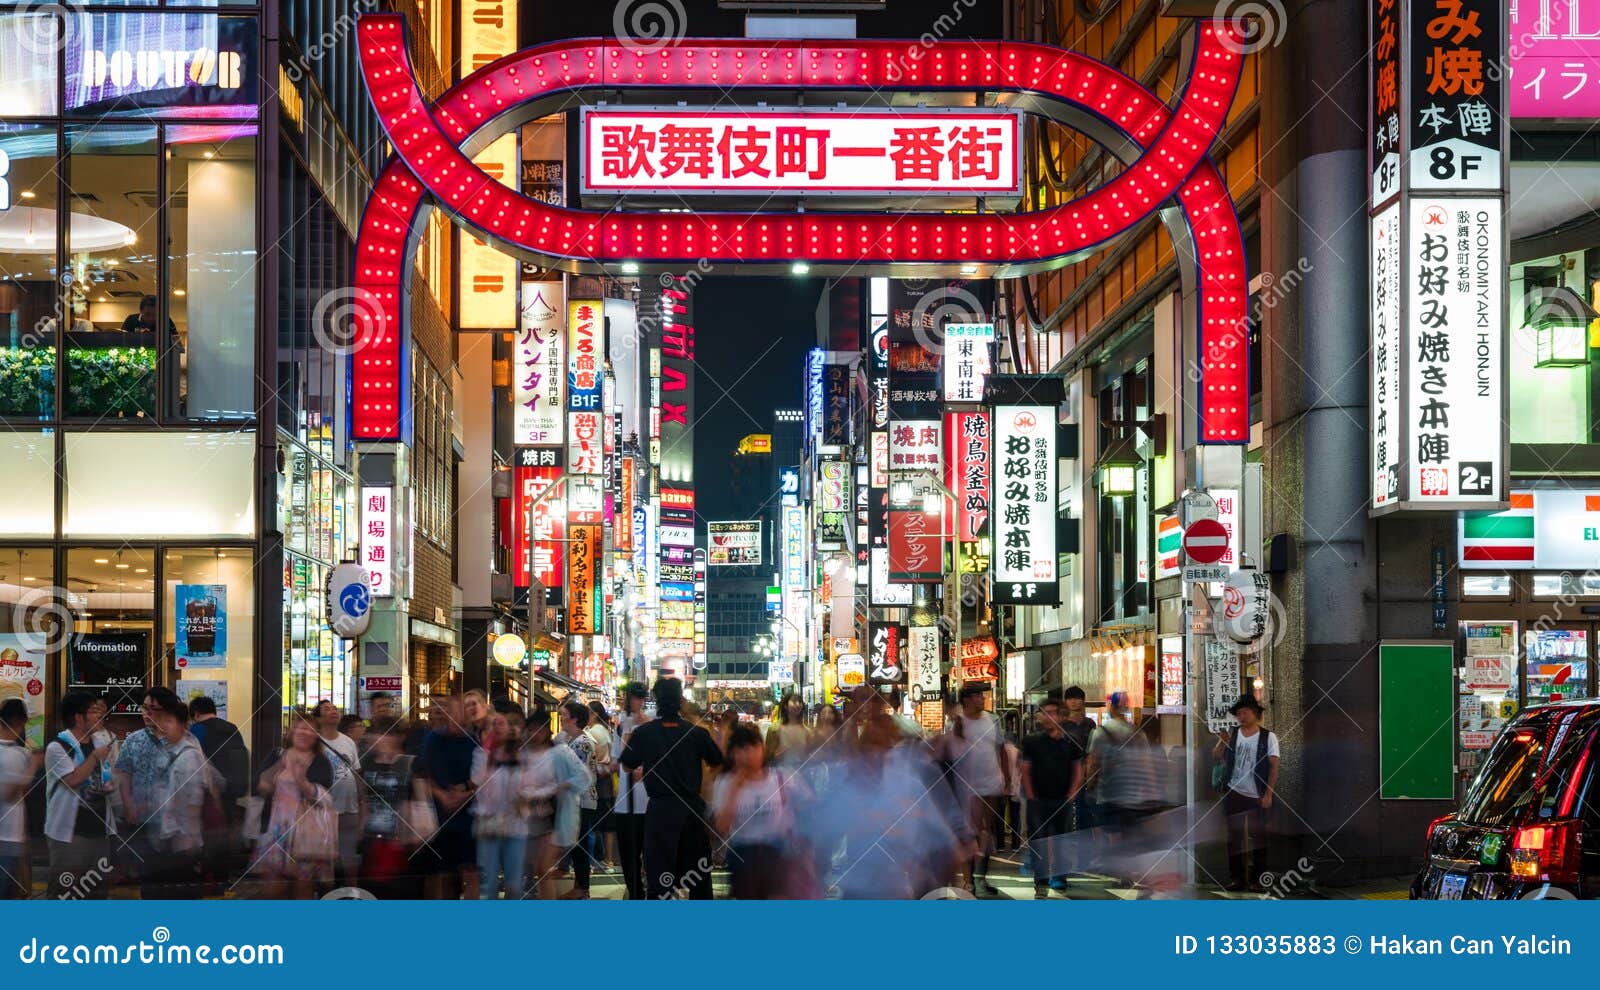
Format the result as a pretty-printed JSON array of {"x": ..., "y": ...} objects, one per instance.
[{"x": 671, "y": 151}]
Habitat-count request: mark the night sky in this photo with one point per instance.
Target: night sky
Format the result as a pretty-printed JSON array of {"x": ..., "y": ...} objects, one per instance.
[{"x": 751, "y": 337}]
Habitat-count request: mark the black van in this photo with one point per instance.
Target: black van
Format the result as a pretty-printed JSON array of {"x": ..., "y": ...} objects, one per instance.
[{"x": 1529, "y": 828}]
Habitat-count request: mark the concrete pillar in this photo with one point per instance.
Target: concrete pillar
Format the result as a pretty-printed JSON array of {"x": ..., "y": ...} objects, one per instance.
[{"x": 1354, "y": 581}]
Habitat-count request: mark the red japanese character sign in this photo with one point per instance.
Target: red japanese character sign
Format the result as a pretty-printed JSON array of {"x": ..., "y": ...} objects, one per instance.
[{"x": 671, "y": 151}]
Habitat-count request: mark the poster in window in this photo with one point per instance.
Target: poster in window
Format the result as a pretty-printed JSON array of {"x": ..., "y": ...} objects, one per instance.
[
  {"x": 202, "y": 626},
  {"x": 24, "y": 676}
]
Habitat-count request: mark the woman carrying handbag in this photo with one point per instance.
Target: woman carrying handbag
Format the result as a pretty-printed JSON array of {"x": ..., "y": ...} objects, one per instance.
[{"x": 300, "y": 838}]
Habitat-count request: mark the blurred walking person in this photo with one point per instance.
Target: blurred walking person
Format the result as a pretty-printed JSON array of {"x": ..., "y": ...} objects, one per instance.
[
  {"x": 447, "y": 754},
  {"x": 574, "y": 722},
  {"x": 750, "y": 809},
  {"x": 224, "y": 749},
  {"x": 139, "y": 773},
  {"x": 300, "y": 835},
  {"x": 500, "y": 809},
  {"x": 18, "y": 768},
  {"x": 396, "y": 813},
  {"x": 975, "y": 748},
  {"x": 555, "y": 779},
  {"x": 344, "y": 755},
  {"x": 1052, "y": 772},
  {"x": 602, "y": 733},
  {"x": 189, "y": 786},
  {"x": 671, "y": 753},
  {"x": 77, "y": 826},
  {"x": 1127, "y": 788},
  {"x": 632, "y": 801}
]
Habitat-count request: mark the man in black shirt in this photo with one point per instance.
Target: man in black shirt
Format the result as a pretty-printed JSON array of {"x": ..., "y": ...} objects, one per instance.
[
  {"x": 1052, "y": 773},
  {"x": 669, "y": 753}
]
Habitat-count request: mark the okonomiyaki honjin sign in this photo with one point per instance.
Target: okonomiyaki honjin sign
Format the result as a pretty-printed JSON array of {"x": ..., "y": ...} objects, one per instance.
[{"x": 1025, "y": 506}]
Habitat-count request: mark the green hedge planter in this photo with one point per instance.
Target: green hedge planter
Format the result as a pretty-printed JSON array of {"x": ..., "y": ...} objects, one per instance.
[{"x": 117, "y": 382}]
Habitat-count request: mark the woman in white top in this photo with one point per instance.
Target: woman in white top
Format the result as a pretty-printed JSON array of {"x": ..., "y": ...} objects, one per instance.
[
  {"x": 555, "y": 778},
  {"x": 628, "y": 815},
  {"x": 502, "y": 804},
  {"x": 975, "y": 748}
]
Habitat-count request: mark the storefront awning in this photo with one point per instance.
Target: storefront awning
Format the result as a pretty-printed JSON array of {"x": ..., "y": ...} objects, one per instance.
[
  {"x": 433, "y": 633},
  {"x": 565, "y": 683}
]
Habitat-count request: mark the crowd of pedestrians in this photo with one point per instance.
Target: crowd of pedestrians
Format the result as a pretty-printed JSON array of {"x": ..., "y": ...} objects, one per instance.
[{"x": 487, "y": 801}]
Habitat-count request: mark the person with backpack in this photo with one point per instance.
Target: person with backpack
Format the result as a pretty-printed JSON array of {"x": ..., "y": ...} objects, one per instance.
[
  {"x": 1247, "y": 772},
  {"x": 77, "y": 827},
  {"x": 223, "y": 747}
]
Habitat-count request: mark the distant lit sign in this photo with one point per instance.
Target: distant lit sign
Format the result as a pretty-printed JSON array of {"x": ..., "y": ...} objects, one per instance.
[{"x": 539, "y": 380}]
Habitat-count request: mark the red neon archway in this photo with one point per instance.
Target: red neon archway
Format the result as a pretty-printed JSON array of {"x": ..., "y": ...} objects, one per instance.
[{"x": 431, "y": 161}]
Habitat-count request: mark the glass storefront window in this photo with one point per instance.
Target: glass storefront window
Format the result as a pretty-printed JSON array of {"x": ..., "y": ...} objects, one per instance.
[
  {"x": 1550, "y": 396},
  {"x": 1566, "y": 583},
  {"x": 1557, "y": 665},
  {"x": 28, "y": 46},
  {"x": 113, "y": 339},
  {"x": 111, "y": 594},
  {"x": 1486, "y": 585},
  {"x": 208, "y": 605},
  {"x": 28, "y": 497},
  {"x": 211, "y": 269},
  {"x": 130, "y": 483},
  {"x": 30, "y": 305},
  {"x": 27, "y": 580}
]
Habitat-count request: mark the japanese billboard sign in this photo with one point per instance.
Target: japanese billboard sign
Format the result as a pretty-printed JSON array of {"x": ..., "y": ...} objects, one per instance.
[
  {"x": 676, "y": 151},
  {"x": 966, "y": 360},
  {"x": 916, "y": 550},
  {"x": 794, "y": 554},
  {"x": 729, "y": 543},
  {"x": 377, "y": 538},
  {"x": 675, "y": 335},
  {"x": 1453, "y": 351},
  {"x": 833, "y": 503},
  {"x": 914, "y": 445},
  {"x": 968, "y": 472},
  {"x": 543, "y": 547},
  {"x": 1024, "y": 499},
  {"x": 884, "y": 644},
  {"x": 586, "y": 442},
  {"x": 586, "y": 349},
  {"x": 1457, "y": 97},
  {"x": 922, "y": 662},
  {"x": 583, "y": 580},
  {"x": 836, "y": 403},
  {"x": 539, "y": 377},
  {"x": 1436, "y": 253}
]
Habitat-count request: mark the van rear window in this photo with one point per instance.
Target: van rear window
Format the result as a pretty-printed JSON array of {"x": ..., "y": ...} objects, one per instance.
[{"x": 1535, "y": 770}]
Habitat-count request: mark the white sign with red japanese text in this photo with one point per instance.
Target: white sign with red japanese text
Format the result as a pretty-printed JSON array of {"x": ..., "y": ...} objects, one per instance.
[
  {"x": 674, "y": 151},
  {"x": 1454, "y": 327},
  {"x": 377, "y": 538},
  {"x": 1024, "y": 505},
  {"x": 585, "y": 444},
  {"x": 914, "y": 445},
  {"x": 539, "y": 383}
]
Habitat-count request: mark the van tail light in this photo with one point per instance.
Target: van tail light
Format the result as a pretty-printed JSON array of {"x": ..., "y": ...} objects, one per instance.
[
  {"x": 1433, "y": 827},
  {"x": 1546, "y": 852}
]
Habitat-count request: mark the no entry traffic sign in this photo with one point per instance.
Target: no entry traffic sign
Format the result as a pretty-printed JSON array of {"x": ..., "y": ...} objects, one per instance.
[{"x": 1205, "y": 541}]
